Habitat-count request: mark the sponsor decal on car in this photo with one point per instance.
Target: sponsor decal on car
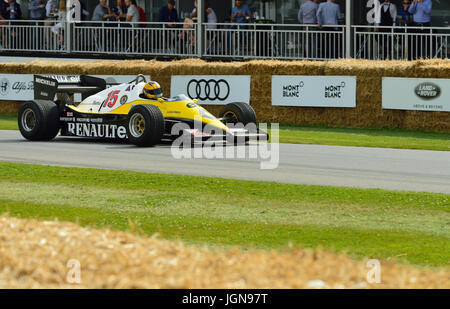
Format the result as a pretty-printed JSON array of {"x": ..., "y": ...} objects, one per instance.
[
  {"x": 71, "y": 118},
  {"x": 67, "y": 119},
  {"x": 45, "y": 82},
  {"x": 68, "y": 79},
  {"x": 96, "y": 130},
  {"x": 123, "y": 99}
]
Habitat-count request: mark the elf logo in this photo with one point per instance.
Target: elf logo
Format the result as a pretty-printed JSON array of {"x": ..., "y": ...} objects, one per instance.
[
  {"x": 97, "y": 130},
  {"x": 428, "y": 91}
]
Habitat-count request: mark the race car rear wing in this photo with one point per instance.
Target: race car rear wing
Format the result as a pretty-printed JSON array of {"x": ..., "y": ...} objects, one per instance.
[{"x": 47, "y": 86}]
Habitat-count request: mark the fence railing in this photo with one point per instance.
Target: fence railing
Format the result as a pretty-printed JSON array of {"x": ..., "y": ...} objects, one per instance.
[
  {"x": 273, "y": 41},
  {"x": 224, "y": 40},
  {"x": 46, "y": 36},
  {"x": 172, "y": 39},
  {"x": 400, "y": 43}
]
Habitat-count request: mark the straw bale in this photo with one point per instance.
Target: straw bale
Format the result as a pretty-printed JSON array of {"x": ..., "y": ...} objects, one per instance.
[
  {"x": 34, "y": 254},
  {"x": 368, "y": 112},
  {"x": 9, "y": 107}
]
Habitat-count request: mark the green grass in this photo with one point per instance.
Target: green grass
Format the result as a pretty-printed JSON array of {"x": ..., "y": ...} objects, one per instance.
[
  {"x": 413, "y": 227},
  {"x": 8, "y": 122},
  {"x": 385, "y": 138}
]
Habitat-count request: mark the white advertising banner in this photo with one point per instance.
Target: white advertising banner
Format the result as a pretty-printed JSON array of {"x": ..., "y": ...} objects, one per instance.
[
  {"x": 19, "y": 87},
  {"x": 212, "y": 89},
  {"x": 420, "y": 94},
  {"x": 16, "y": 87},
  {"x": 315, "y": 91}
]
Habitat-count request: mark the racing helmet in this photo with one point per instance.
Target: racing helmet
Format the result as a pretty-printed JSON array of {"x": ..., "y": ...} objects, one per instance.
[{"x": 152, "y": 90}]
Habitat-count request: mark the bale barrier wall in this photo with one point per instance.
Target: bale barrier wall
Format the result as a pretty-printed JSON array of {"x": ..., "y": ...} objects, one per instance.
[{"x": 368, "y": 111}]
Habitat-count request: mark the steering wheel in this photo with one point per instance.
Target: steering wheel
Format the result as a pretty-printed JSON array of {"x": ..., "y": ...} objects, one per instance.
[{"x": 140, "y": 77}]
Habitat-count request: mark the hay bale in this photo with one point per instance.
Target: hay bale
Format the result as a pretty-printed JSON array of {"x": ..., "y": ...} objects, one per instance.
[
  {"x": 111, "y": 259},
  {"x": 368, "y": 112},
  {"x": 9, "y": 107}
]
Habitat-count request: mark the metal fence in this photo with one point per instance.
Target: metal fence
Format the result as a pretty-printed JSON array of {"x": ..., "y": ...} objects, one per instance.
[
  {"x": 273, "y": 41},
  {"x": 400, "y": 43},
  {"x": 225, "y": 40},
  {"x": 174, "y": 39},
  {"x": 32, "y": 36}
]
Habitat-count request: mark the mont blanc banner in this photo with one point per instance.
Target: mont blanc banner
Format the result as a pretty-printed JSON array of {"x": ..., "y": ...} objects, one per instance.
[
  {"x": 314, "y": 91},
  {"x": 19, "y": 87},
  {"x": 420, "y": 94},
  {"x": 212, "y": 89}
]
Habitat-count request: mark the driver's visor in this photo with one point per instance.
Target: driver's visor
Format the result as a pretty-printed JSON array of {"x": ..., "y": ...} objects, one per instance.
[{"x": 155, "y": 92}]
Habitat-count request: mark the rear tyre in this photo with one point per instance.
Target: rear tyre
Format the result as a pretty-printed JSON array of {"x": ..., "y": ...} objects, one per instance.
[
  {"x": 145, "y": 125},
  {"x": 238, "y": 112},
  {"x": 39, "y": 120}
]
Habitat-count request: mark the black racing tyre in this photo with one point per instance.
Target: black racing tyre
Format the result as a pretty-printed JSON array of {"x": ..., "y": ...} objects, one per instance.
[
  {"x": 39, "y": 120},
  {"x": 238, "y": 112},
  {"x": 145, "y": 125}
]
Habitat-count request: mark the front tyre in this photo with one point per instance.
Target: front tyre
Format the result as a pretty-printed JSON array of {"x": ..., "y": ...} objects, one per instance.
[
  {"x": 145, "y": 125},
  {"x": 39, "y": 120},
  {"x": 238, "y": 112}
]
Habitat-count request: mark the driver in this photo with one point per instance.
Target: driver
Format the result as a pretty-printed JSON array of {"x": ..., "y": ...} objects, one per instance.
[{"x": 152, "y": 90}]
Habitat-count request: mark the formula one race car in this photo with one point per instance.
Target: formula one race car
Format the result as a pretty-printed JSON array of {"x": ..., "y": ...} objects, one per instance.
[{"x": 135, "y": 111}]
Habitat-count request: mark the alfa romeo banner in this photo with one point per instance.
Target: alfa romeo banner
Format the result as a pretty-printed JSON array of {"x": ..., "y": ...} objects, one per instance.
[
  {"x": 212, "y": 89},
  {"x": 19, "y": 87},
  {"x": 315, "y": 91},
  {"x": 420, "y": 94},
  {"x": 16, "y": 87}
]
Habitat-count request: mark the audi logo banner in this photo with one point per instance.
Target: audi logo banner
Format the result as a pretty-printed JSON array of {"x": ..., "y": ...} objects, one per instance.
[
  {"x": 314, "y": 91},
  {"x": 212, "y": 89},
  {"x": 420, "y": 94}
]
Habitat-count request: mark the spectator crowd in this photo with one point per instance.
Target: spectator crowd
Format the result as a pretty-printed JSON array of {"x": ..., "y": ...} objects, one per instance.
[
  {"x": 315, "y": 15},
  {"x": 412, "y": 13}
]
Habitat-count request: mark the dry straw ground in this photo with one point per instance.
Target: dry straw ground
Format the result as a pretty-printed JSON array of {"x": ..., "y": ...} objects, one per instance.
[
  {"x": 368, "y": 112},
  {"x": 9, "y": 107},
  {"x": 34, "y": 254}
]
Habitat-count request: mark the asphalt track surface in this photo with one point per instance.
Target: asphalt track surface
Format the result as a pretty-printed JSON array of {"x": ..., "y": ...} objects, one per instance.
[{"x": 395, "y": 169}]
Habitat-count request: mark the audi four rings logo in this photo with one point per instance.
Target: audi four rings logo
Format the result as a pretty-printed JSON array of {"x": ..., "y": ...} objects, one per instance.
[{"x": 211, "y": 90}]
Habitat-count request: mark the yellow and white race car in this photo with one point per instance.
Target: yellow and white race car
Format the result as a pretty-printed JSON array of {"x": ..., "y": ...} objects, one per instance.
[{"x": 135, "y": 111}]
